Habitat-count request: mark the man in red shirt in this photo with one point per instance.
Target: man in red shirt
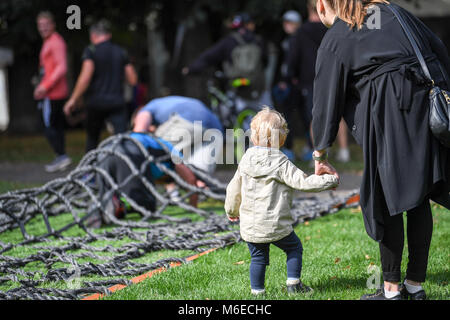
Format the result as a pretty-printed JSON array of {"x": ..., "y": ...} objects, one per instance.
[{"x": 52, "y": 89}]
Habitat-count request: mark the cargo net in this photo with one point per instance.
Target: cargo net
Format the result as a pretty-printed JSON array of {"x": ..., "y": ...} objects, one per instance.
[{"x": 48, "y": 251}]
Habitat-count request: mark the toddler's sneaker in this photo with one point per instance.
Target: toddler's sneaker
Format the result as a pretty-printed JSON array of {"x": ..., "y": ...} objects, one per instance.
[
  {"x": 258, "y": 292},
  {"x": 299, "y": 288}
]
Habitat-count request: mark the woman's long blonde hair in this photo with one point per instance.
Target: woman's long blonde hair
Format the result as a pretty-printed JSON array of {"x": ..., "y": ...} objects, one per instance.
[{"x": 353, "y": 11}]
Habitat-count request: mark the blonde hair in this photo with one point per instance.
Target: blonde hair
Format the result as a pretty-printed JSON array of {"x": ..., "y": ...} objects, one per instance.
[
  {"x": 353, "y": 11},
  {"x": 269, "y": 129}
]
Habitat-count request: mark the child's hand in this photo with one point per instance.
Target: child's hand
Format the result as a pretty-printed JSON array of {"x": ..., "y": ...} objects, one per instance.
[
  {"x": 325, "y": 168},
  {"x": 233, "y": 219}
]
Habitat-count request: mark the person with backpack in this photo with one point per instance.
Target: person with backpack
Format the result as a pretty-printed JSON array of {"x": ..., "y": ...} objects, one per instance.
[{"x": 242, "y": 55}]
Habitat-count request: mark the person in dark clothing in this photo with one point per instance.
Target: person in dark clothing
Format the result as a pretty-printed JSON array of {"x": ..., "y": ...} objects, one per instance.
[
  {"x": 282, "y": 92},
  {"x": 105, "y": 68},
  {"x": 301, "y": 63},
  {"x": 223, "y": 53},
  {"x": 369, "y": 74},
  {"x": 301, "y": 71}
]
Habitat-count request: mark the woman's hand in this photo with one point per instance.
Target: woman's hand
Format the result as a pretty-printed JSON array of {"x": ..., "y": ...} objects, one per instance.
[{"x": 322, "y": 165}]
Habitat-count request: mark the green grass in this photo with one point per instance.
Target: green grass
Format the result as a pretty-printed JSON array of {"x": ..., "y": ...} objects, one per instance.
[
  {"x": 35, "y": 148},
  {"x": 336, "y": 257},
  {"x": 6, "y": 186},
  {"x": 36, "y": 227},
  {"x": 337, "y": 251},
  {"x": 337, "y": 254}
]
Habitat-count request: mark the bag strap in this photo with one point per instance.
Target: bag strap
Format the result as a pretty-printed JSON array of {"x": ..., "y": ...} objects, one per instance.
[
  {"x": 413, "y": 42},
  {"x": 239, "y": 38}
]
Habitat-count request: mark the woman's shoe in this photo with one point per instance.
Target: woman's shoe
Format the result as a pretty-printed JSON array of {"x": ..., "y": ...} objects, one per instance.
[
  {"x": 406, "y": 295},
  {"x": 379, "y": 295}
]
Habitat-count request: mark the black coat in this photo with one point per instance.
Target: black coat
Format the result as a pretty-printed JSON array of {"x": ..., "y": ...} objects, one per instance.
[{"x": 372, "y": 78}]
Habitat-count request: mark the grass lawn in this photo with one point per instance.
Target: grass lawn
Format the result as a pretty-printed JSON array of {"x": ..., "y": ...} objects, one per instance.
[
  {"x": 35, "y": 148},
  {"x": 337, "y": 254},
  {"x": 337, "y": 251}
]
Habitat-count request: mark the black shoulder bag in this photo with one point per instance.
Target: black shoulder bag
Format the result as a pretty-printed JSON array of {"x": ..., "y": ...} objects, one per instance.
[{"x": 439, "y": 99}]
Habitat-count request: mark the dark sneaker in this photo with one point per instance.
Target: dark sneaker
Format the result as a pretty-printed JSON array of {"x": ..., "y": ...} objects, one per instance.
[
  {"x": 114, "y": 207},
  {"x": 61, "y": 163},
  {"x": 420, "y": 295},
  {"x": 379, "y": 295},
  {"x": 299, "y": 288}
]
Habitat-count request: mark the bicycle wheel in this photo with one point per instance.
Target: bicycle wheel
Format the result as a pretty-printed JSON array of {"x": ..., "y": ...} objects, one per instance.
[{"x": 241, "y": 126}]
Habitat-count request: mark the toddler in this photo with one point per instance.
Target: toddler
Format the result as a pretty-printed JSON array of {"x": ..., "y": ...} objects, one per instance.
[{"x": 260, "y": 195}]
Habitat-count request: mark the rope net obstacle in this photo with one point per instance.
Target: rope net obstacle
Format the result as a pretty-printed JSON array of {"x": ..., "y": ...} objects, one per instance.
[{"x": 49, "y": 250}]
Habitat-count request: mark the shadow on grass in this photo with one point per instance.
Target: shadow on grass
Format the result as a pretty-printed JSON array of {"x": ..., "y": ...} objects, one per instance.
[{"x": 344, "y": 284}]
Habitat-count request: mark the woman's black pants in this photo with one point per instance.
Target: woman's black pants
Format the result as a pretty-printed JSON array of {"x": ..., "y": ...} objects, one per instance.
[{"x": 419, "y": 232}]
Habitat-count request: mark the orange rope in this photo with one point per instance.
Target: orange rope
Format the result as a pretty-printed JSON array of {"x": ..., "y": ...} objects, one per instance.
[{"x": 148, "y": 275}]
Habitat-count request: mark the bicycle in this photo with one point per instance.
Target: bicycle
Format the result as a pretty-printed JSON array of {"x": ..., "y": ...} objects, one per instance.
[{"x": 233, "y": 111}]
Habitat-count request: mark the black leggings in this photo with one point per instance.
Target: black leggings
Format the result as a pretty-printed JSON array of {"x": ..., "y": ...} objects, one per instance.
[{"x": 419, "y": 232}]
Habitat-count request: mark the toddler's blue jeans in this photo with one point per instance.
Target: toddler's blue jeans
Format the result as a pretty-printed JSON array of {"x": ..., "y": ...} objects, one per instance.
[{"x": 259, "y": 252}]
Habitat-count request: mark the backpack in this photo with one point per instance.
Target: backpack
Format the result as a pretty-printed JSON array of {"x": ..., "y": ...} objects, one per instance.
[{"x": 246, "y": 62}]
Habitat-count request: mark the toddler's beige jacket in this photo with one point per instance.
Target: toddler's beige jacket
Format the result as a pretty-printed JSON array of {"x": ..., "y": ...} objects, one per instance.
[{"x": 261, "y": 194}]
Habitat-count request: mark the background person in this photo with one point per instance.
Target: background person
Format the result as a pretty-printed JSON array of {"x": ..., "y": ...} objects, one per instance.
[
  {"x": 174, "y": 116},
  {"x": 301, "y": 71},
  {"x": 360, "y": 70},
  {"x": 282, "y": 92},
  {"x": 105, "y": 69},
  {"x": 52, "y": 89},
  {"x": 242, "y": 54},
  {"x": 134, "y": 188}
]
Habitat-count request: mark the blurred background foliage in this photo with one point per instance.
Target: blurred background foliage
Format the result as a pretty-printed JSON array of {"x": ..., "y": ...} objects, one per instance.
[{"x": 161, "y": 36}]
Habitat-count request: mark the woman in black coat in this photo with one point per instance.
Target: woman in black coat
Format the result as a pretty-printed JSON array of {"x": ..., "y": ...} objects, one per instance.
[{"x": 368, "y": 73}]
